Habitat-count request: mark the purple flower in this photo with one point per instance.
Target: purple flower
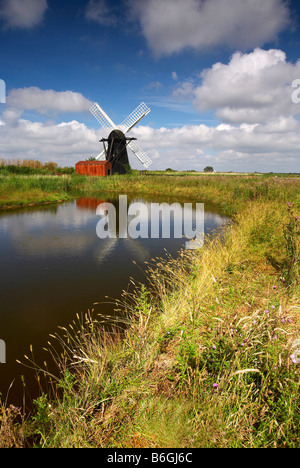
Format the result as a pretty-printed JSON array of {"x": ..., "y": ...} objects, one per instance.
[
  {"x": 214, "y": 347},
  {"x": 215, "y": 385},
  {"x": 293, "y": 358},
  {"x": 273, "y": 307}
]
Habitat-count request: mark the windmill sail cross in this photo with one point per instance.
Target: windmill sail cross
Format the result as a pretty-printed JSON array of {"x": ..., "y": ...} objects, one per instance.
[{"x": 141, "y": 111}]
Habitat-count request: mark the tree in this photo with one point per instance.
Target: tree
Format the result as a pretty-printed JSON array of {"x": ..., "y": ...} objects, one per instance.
[
  {"x": 51, "y": 166},
  {"x": 128, "y": 169},
  {"x": 208, "y": 169}
]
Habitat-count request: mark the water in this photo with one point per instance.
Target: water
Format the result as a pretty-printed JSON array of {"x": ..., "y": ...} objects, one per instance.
[{"x": 53, "y": 265}]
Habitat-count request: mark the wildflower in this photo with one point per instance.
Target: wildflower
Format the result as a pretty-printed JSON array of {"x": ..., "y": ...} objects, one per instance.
[
  {"x": 274, "y": 287},
  {"x": 267, "y": 312},
  {"x": 15, "y": 408},
  {"x": 214, "y": 347},
  {"x": 293, "y": 358},
  {"x": 273, "y": 307},
  {"x": 215, "y": 385}
]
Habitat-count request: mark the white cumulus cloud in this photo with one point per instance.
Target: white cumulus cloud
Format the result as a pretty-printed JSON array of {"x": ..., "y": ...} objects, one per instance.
[
  {"x": 273, "y": 146},
  {"x": 42, "y": 101},
  {"x": 22, "y": 14},
  {"x": 64, "y": 143},
  {"x": 171, "y": 26},
  {"x": 251, "y": 88}
]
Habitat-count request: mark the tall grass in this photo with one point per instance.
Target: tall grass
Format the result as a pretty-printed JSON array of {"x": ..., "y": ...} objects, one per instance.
[
  {"x": 16, "y": 190},
  {"x": 12, "y": 427},
  {"x": 31, "y": 166}
]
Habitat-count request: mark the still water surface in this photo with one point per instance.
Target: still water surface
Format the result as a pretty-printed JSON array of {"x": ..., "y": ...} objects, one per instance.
[{"x": 53, "y": 265}]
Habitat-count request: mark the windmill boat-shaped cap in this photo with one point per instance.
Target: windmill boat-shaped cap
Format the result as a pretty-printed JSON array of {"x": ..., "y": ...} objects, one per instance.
[{"x": 117, "y": 139}]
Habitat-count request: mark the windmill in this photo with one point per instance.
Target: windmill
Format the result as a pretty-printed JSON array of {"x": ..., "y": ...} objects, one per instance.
[{"x": 117, "y": 142}]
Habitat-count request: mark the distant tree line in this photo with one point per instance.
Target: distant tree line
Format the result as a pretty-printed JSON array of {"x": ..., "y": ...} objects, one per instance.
[
  {"x": 31, "y": 166},
  {"x": 206, "y": 169}
]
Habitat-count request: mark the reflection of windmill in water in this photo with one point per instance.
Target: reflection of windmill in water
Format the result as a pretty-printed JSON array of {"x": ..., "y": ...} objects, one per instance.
[
  {"x": 107, "y": 246},
  {"x": 117, "y": 142}
]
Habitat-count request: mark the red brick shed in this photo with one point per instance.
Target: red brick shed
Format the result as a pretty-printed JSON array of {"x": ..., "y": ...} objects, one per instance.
[{"x": 94, "y": 168}]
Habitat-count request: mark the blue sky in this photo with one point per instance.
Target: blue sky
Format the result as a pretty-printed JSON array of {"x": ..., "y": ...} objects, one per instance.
[{"x": 217, "y": 75}]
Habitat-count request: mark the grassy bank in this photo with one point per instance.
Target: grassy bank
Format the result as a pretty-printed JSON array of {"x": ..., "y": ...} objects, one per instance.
[
  {"x": 205, "y": 356},
  {"x": 30, "y": 182},
  {"x": 226, "y": 191},
  {"x": 20, "y": 191}
]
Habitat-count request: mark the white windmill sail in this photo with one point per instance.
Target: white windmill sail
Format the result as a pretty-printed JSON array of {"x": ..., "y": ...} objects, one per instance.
[
  {"x": 140, "y": 112},
  {"x": 104, "y": 121},
  {"x": 140, "y": 154},
  {"x": 101, "y": 116}
]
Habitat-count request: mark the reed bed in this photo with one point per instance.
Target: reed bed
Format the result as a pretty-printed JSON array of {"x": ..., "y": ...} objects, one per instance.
[{"x": 21, "y": 191}]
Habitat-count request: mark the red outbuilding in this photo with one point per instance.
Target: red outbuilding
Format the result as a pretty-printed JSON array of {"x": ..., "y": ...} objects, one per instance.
[{"x": 94, "y": 168}]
